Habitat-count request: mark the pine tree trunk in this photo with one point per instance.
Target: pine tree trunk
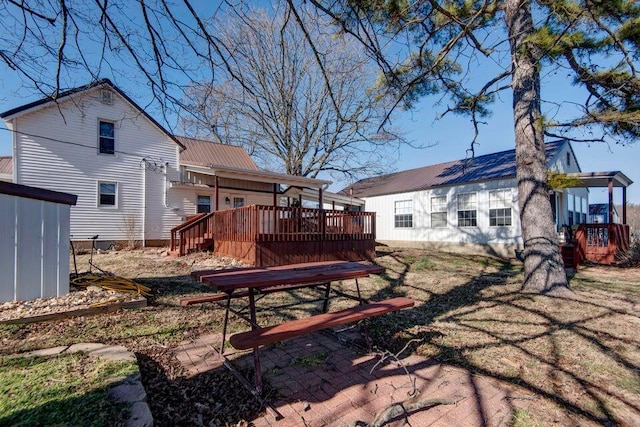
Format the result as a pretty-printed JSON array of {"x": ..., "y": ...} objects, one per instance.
[{"x": 543, "y": 267}]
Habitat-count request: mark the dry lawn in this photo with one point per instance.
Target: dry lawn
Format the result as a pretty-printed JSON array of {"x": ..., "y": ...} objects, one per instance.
[{"x": 576, "y": 358}]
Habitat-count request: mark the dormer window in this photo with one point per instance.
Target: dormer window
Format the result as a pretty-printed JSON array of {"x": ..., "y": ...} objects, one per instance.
[
  {"x": 107, "y": 138},
  {"x": 568, "y": 158}
]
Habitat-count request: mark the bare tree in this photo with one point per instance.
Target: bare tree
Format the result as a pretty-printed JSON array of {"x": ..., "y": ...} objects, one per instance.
[
  {"x": 250, "y": 80},
  {"x": 288, "y": 109}
]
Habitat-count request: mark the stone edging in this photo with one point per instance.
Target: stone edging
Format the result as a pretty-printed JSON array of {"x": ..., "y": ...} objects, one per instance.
[{"x": 129, "y": 390}]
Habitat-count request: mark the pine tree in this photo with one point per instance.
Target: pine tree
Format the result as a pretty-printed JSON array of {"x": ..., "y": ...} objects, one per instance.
[{"x": 441, "y": 42}]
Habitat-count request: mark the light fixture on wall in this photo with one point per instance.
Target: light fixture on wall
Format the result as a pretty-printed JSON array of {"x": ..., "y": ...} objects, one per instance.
[{"x": 227, "y": 200}]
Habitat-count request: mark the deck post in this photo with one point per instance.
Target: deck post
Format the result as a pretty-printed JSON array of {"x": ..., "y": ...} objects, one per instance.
[
  {"x": 610, "y": 200},
  {"x": 322, "y": 216},
  {"x": 624, "y": 205},
  {"x": 275, "y": 194},
  {"x": 217, "y": 193}
]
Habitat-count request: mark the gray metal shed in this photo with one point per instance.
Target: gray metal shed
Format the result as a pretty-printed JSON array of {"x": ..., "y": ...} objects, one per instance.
[{"x": 34, "y": 242}]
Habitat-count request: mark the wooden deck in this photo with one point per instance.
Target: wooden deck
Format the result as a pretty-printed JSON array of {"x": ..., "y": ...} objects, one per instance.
[
  {"x": 271, "y": 235},
  {"x": 601, "y": 243}
]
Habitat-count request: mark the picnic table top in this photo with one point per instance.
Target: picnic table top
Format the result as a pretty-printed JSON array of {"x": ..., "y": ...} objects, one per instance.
[{"x": 313, "y": 272}]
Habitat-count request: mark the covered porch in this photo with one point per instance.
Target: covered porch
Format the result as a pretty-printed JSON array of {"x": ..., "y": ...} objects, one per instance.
[
  {"x": 304, "y": 223},
  {"x": 602, "y": 242}
]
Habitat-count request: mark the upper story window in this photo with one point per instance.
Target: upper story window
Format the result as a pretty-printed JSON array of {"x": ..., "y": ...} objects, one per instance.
[
  {"x": 500, "y": 208},
  {"x": 403, "y": 214},
  {"x": 107, "y": 194},
  {"x": 439, "y": 211},
  {"x": 467, "y": 210},
  {"x": 204, "y": 204},
  {"x": 568, "y": 158},
  {"x": 107, "y": 138}
]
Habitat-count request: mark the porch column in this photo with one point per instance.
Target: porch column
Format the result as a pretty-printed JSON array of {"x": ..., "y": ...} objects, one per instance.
[
  {"x": 321, "y": 207},
  {"x": 217, "y": 193},
  {"x": 624, "y": 205},
  {"x": 610, "y": 200},
  {"x": 275, "y": 194}
]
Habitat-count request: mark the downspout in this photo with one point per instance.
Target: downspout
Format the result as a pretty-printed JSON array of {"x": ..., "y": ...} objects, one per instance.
[
  {"x": 14, "y": 161},
  {"x": 144, "y": 203},
  {"x": 166, "y": 185}
]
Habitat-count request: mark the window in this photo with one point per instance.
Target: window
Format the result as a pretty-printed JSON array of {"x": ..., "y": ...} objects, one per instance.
[
  {"x": 204, "y": 204},
  {"x": 500, "y": 208},
  {"x": 467, "y": 210},
  {"x": 238, "y": 202},
  {"x": 403, "y": 214},
  {"x": 568, "y": 158},
  {"x": 107, "y": 140},
  {"x": 107, "y": 194},
  {"x": 439, "y": 211}
]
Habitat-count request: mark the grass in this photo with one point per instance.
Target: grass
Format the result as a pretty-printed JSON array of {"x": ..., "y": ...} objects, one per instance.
[
  {"x": 68, "y": 389},
  {"x": 575, "y": 357},
  {"x": 312, "y": 361}
]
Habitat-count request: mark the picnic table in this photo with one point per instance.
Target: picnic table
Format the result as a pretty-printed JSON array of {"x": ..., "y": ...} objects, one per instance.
[{"x": 252, "y": 282}]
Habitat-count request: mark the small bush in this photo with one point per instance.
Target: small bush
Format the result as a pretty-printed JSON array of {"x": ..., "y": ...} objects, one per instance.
[{"x": 632, "y": 257}]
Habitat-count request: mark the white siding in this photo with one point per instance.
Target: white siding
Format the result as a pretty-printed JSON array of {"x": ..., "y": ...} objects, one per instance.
[
  {"x": 567, "y": 197},
  {"x": 57, "y": 149},
  {"x": 422, "y": 230},
  {"x": 185, "y": 199},
  {"x": 34, "y": 248}
]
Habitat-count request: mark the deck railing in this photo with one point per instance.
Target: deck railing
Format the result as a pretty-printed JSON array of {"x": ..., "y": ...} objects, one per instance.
[
  {"x": 193, "y": 232},
  {"x": 258, "y": 223},
  {"x": 602, "y": 242}
]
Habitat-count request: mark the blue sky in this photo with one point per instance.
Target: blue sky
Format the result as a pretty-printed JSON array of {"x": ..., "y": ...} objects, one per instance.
[{"x": 450, "y": 136}]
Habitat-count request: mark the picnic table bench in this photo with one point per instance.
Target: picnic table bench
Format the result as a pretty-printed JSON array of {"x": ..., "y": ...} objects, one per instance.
[{"x": 248, "y": 283}]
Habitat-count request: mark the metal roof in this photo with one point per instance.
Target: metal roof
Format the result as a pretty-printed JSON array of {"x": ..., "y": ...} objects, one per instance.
[
  {"x": 482, "y": 168},
  {"x": 259, "y": 176},
  {"x": 210, "y": 154},
  {"x": 37, "y": 193},
  {"x": 6, "y": 165},
  {"x": 601, "y": 179}
]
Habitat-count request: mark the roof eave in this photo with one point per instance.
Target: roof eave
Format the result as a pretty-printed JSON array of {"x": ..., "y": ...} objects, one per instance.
[
  {"x": 72, "y": 93},
  {"x": 259, "y": 176}
]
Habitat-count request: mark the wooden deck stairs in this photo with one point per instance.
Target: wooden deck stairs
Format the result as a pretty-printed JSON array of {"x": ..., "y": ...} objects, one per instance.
[{"x": 193, "y": 235}]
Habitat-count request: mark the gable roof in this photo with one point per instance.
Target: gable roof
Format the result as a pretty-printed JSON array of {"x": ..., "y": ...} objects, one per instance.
[
  {"x": 199, "y": 152},
  {"x": 23, "y": 109},
  {"x": 499, "y": 165},
  {"x": 6, "y": 165}
]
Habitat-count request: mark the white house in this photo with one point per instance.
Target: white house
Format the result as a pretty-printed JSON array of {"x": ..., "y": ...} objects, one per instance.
[
  {"x": 469, "y": 204},
  {"x": 135, "y": 181}
]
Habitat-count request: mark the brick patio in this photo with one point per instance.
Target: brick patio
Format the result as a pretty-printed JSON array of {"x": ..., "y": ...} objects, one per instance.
[{"x": 322, "y": 380}]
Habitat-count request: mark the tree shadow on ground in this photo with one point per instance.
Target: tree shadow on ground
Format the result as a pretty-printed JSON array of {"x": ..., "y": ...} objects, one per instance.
[{"x": 562, "y": 350}]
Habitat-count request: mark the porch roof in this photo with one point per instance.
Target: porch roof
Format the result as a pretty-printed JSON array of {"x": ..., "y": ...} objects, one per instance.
[
  {"x": 601, "y": 179},
  {"x": 259, "y": 176}
]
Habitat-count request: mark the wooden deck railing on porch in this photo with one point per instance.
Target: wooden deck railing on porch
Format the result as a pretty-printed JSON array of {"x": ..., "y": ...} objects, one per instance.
[
  {"x": 273, "y": 223},
  {"x": 196, "y": 233},
  {"x": 602, "y": 243},
  {"x": 273, "y": 235}
]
